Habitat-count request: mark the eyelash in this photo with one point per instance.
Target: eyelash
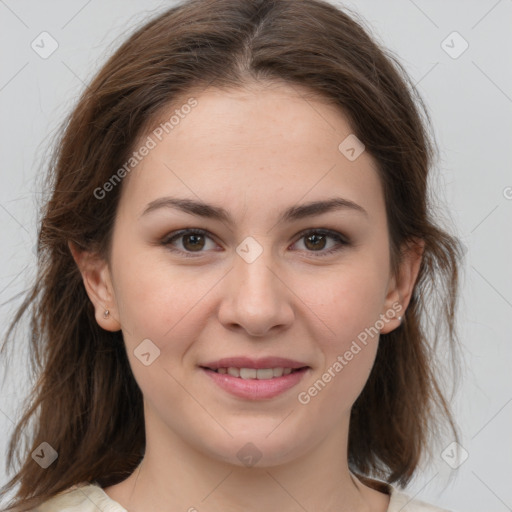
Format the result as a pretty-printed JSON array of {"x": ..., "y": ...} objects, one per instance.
[{"x": 171, "y": 237}]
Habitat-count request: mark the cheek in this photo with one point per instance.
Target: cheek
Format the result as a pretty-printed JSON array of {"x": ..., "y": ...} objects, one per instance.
[
  {"x": 161, "y": 311},
  {"x": 349, "y": 302},
  {"x": 163, "y": 302},
  {"x": 350, "y": 298}
]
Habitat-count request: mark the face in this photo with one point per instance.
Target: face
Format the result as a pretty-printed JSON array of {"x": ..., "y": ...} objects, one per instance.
[{"x": 299, "y": 297}]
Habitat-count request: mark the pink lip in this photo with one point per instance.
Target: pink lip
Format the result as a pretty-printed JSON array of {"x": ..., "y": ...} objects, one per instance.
[
  {"x": 254, "y": 389},
  {"x": 246, "y": 362}
]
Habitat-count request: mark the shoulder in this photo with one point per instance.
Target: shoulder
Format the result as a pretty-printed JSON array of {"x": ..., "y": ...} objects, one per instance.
[
  {"x": 83, "y": 497},
  {"x": 91, "y": 498},
  {"x": 400, "y": 501}
]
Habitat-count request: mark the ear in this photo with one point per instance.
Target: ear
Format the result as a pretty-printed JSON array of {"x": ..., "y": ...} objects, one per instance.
[
  {"x": 401, "y": 286},
  {"x": 98, "y": 285}
]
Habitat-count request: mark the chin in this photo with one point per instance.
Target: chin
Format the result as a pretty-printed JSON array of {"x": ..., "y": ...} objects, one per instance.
[{"x": 259, "y": 448}]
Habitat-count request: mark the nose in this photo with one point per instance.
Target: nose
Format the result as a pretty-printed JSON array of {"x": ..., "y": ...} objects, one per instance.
[{"x": 256, "y": 298}]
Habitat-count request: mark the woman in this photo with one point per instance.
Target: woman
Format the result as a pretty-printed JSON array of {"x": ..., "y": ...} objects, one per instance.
[{"x": 234, "y": 271}]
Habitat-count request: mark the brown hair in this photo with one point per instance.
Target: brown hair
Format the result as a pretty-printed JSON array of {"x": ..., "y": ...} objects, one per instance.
[{"x": 86, "y": 403}]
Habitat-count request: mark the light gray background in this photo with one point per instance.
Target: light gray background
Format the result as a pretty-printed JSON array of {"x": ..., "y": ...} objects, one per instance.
[{"x": 470, "y": 100}]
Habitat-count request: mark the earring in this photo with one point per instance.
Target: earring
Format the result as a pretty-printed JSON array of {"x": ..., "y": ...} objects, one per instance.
[
  {"x": 106, "y": 313},
  {"x": 400, "y": 319}
]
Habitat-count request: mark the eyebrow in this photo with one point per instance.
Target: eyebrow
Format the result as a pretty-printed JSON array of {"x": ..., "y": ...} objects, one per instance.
[{"x": 293, "y": 213}]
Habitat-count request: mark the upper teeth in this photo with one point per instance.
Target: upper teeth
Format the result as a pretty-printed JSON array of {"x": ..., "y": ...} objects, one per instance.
[{"x": 253, "y": 373}]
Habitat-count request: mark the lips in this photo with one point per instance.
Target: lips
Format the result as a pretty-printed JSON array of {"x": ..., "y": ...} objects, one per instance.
[{"x": 255, "y": 378}]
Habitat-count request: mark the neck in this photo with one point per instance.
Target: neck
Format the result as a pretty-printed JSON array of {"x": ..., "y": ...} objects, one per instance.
[{"x": 175, "y": 476}]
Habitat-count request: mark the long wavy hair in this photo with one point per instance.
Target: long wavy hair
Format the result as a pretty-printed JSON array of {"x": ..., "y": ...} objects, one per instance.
[{"x": 86, "y": 403}]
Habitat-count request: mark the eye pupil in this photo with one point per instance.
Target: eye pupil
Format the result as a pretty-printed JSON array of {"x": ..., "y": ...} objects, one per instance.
[
  {"x": 194, "y": 244},
  {"x": 315, "y": 237}
]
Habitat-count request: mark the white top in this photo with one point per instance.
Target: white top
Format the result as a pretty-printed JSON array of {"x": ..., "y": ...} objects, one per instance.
[{"x": 92, "y": 498}]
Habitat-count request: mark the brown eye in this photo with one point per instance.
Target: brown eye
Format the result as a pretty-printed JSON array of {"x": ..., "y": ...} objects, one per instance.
[
  {"x": 192, "y": 241},
  {"x": 315, "y": 241}
]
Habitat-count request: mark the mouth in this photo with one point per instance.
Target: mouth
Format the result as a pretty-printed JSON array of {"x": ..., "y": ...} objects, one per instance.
[
  {"x": 255, "y": 379},
  {"x": 255, "y": 373}
]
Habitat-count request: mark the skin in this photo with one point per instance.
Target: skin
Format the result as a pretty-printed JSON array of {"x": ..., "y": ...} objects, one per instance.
[{"x": 255, "y": 151}]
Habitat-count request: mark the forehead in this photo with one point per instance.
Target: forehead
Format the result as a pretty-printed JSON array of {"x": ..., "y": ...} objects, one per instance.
[{"x": 274, "y": 144}]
